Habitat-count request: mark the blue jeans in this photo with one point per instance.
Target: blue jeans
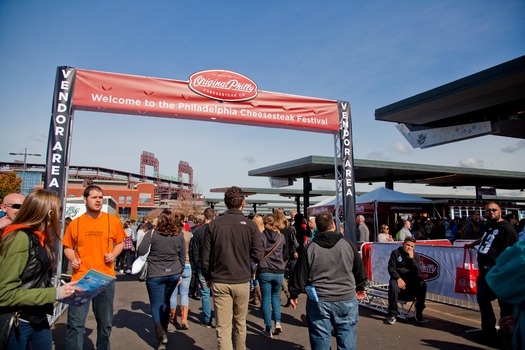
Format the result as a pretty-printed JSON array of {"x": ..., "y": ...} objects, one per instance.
[
  {"x": 160, "y": 290},
  {"x": 271, "y": 297},
  {"x": 183, "y": 288},
  {"x": 103, "y": 310},
  {"x": 30, "y": 336},
  {"x": 205, "y": 292},
  {"x": 253, "y": 280},
  {"x": 325, "y": 315}
]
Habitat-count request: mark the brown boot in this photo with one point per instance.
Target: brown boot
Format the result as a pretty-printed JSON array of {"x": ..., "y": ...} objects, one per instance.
[
  {"x": 184, "y": 317},
  {"x": 173, "y": 317},
  {"x": 257, "y": 297}
]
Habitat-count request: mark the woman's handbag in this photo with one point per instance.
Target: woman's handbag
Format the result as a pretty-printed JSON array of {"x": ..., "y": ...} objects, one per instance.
[
  {"x": 7, "y": 321},
  {"x": 140, "y": 265},
  {"x": 466, "y": 276}
]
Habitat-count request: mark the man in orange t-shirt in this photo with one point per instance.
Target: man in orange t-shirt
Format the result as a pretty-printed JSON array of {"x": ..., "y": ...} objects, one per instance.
[{"x": 93, "y": 241}]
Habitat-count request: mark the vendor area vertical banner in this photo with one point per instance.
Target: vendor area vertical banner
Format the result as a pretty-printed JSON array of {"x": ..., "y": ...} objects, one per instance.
[
  {"x": 347, "y": 164},
  {"x": 60, "y": 131}
]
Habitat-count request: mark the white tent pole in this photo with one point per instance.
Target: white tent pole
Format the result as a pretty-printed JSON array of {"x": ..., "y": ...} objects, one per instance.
[{"x": 376, "y": 221}]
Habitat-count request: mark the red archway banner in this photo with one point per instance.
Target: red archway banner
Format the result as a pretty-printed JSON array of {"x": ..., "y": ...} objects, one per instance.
[
  {"x": 128, "y": 94},
  {"x": 213, "y": 95}
]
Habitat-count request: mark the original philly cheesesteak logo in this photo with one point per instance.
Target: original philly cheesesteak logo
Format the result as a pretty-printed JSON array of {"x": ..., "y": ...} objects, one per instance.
[
  {"x": 223, "y": 85},
  {"x": 429, "y": 268}
]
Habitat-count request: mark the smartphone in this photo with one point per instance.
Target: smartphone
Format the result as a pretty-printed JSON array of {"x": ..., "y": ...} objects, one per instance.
[{"x": 2, "y": 214}]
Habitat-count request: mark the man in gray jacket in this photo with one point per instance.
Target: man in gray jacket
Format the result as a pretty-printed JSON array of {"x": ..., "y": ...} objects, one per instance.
[
  {"x": 230, "y": 241},
  {"x": 334, "y": 280}
]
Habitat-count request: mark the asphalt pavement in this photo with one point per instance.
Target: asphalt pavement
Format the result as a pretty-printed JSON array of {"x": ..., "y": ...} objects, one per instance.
[{"x": 446, "y": 327}]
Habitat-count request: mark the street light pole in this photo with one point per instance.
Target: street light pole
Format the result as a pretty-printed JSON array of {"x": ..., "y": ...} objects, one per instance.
[{"x": 25, "y": 154}]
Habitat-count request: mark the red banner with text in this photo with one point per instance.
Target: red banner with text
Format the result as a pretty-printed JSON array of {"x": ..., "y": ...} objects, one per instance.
[{"x": 207, "y": 100}]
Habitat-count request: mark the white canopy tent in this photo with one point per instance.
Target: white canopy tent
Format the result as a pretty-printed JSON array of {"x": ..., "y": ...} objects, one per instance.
[{"x": 380, "y": 200}]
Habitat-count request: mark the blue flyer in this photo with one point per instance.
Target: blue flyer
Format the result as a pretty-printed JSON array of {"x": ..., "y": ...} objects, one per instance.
[
  {"x": 92, "y": 283},
  {"x": 312, "y": 293}
]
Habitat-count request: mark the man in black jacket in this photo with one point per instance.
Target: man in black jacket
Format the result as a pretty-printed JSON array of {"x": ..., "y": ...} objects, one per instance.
[
  {"x": 406, "y": 282},
  {"x": 230, "y": 241},
  {"x": 332, "y": 272},
  {"x": 196, "y": 244}
]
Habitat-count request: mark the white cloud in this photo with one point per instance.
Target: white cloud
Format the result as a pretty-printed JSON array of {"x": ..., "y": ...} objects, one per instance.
[
  {"x": 403, "y": 149},
  {"x": 376, "y": 155},
  {"x": 514, "y": 147},
  {"x": 39, "y": 137},
  {"x": 471, "y": 163},
  {"x": 250, "y": 159}
]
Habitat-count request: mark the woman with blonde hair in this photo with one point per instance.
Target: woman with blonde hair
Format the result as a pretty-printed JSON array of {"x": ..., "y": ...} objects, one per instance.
[
  {"x": 290, "y": 254},
  {"x": 259, "y": 221},
  {"x": 270, "y": 273},
  {"x": 166, "y": 259},
  {"x": 26, "y": 261}
]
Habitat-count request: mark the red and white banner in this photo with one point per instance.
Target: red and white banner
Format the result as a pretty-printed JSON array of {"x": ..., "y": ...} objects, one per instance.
[
  {"x": 438, "y": 266},
  {"x": 211, "y": 95},
  {"x": 129, "y": 94}
]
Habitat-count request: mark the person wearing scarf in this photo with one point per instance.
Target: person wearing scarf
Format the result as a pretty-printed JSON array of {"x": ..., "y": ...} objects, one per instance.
[{"x": 26, "y": 262}]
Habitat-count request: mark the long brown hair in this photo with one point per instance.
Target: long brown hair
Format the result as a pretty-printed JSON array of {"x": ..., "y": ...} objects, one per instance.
[
  {"x": 168, "y": 223},
  {"x": 269, "y": 223},
  {"x": 281, "y": 222},
  {"x": 40, "y": 208}
]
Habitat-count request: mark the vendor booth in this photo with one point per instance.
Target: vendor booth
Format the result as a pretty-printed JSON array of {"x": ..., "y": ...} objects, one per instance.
[
  {"x": 380, "y": 206},
  {"x": 383, "y": 206}
]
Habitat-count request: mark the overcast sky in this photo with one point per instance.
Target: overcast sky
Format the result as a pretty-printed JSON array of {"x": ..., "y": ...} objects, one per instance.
[{"x": 369, "y": 53}]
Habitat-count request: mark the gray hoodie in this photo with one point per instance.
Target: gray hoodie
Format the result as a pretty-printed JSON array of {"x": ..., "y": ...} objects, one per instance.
[
  {"x": 332, "y": 265},
  {"x": 274, "y": 263}
]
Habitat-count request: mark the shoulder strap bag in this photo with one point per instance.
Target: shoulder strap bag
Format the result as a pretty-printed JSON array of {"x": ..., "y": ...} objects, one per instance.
[{"x": 140, "y": 265}]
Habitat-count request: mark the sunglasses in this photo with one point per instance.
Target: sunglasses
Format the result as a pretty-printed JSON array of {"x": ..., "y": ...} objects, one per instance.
[
  {"x": 14, "y": 206},
  {"x": 492, "y": 210}
]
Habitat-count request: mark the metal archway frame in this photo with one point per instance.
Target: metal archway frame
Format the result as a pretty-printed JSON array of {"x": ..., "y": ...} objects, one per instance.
[{"x": 78, "y": 89}]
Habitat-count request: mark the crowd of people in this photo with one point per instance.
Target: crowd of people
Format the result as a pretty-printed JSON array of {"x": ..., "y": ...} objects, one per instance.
[
  {"x": 424, "y": 227},
  {"x": 236, "y": 259}
]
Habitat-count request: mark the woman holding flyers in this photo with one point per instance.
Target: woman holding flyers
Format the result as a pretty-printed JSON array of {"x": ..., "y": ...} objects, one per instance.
[
  {"x": 166, "y": 260},
  {"x": 26, "y": 262}
]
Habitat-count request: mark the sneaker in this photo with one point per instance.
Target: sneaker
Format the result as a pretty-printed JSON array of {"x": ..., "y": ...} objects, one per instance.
[
  {"x": 267, "y": 333},
  {"x": 390, "y": 320},
  {"x": 278, "y": 329},
  {"x": 127, "y": 272},
  {"x": 419, "y": 317},
  {"x": 121, "y": 271},
  {"x": 207, "y": 324}
]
